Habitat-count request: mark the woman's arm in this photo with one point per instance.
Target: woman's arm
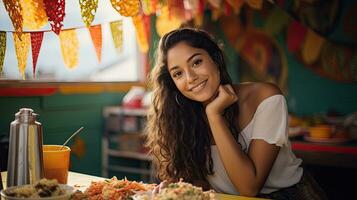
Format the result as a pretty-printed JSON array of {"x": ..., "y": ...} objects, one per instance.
[{"x": 248, "y": 173}]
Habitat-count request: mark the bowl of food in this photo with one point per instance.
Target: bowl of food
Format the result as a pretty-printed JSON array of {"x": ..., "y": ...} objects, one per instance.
[
  {"x": 42, "y": 190},
  {"x": 321, "y": 131}
]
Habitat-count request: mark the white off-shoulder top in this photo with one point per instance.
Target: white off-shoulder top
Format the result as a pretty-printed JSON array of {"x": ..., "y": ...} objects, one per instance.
[{"x": 269, "y": 123}]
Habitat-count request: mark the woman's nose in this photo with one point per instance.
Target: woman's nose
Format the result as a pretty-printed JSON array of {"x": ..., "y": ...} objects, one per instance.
[{"x": 191, "y": 75}]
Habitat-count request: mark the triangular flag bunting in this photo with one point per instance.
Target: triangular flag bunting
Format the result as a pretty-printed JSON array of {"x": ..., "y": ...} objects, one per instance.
[
  {"x": 34, "y": 14},
  {"x": 96, "y": 35},
  {"x": 69, "y": 47},
  {"x": 2, "y": 49},
  {"x": 22, "y": 45},
  {"x": 127, "y": 8},
  {"x": 88, "y": 10},
  {"x": 36, "y": 41},
  {"x": 15, "y": 12},
  {"x": 117, "y": 34},
  {"x": 55, "y": 10}
]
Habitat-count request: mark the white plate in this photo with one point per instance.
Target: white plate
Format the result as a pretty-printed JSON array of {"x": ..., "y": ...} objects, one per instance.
[{"x": 68, "y": 192}]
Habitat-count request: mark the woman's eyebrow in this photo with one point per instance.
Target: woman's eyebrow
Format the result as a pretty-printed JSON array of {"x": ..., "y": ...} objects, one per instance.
[
  {"x": 173, "y": 68},
  {"x": 190, "y": 58}
]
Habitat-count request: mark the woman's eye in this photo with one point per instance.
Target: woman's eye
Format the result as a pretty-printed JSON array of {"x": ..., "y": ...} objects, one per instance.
[
  {"x": 197, "y": 62},
  {"x": 176, "y": 74}
]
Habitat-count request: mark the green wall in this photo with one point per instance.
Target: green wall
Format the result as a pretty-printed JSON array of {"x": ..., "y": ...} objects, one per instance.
[
  {"x": 311, "y": 94},
  {"x": 60, "y": 116}
]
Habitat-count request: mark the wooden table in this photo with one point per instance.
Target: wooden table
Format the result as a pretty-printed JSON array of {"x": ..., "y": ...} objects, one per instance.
[{"x": 82, "y": 181}]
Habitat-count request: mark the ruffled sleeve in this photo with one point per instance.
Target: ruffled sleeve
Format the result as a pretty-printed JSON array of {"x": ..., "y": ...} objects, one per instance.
[{"x": 270, "y": 121}]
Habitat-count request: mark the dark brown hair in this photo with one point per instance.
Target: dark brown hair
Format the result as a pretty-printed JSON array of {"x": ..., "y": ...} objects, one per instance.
[{"x": 178, "y": 133}]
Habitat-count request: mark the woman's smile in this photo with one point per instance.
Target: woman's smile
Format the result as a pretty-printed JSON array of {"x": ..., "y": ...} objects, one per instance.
[{"x": 198, "y": 87}]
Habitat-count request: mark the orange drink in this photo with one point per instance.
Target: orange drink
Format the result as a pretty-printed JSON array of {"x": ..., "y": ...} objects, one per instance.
[{"x": 56, "y": 162}]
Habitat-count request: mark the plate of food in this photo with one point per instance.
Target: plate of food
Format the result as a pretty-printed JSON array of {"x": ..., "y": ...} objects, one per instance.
[
  {"x": 42, "y": 190},
  {"x": 113, "y": 189},
  {"x": 178, "y": 191}
]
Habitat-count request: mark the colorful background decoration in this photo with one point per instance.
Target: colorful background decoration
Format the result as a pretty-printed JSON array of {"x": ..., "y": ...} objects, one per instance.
[{"x": 310, "y": 30}]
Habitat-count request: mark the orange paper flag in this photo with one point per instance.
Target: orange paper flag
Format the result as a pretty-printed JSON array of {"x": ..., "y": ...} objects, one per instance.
[
  {"x": 14, "y": 9},
  {"x": 88, "y": 10},
  {"x": 117, "y": 34},
  {"x": 141, "y": 33},
  {"x": 69, "y": 47},
  {"x": 34, "y": 14},
  {"x": 22, "y": 45},
  {"x": 36, "y": 41},
  {"x": 96, "y": 35},
  {"x": 127, "y": 8},
  {"x": 2, "y": 49}
]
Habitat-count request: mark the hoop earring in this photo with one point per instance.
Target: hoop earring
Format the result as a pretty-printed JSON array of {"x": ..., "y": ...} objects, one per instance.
[{"x": 177, "y": 101}]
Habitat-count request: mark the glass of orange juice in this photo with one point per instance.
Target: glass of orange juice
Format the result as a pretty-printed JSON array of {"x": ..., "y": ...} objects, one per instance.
[{"x": 56, "y": 162}]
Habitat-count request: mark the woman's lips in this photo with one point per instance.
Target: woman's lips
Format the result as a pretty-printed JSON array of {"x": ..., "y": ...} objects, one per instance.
[{"x": 198, "y": 87}]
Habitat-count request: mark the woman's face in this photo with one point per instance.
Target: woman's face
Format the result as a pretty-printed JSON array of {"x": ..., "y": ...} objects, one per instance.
[{"x": 194, "y": 72}]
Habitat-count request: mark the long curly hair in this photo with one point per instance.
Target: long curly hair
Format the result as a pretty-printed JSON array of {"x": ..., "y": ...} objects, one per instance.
[{"x": 178, "y": 134}]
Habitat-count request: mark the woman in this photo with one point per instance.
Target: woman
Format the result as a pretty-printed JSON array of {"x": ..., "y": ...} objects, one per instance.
[{"x": 211, "y": 133}]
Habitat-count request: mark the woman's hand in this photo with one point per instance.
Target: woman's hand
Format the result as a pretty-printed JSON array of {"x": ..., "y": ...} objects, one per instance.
[
  {"x": 161, "y": 186},
  {"x": 225, "y": 97}
]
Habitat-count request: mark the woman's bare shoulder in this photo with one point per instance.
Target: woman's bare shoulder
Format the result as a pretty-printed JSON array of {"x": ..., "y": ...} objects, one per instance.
[{"x": 255, "y": 92}]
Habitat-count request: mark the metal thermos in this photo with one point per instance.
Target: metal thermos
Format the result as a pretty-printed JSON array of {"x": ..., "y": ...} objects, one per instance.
[{"x": 25, "y": 161}]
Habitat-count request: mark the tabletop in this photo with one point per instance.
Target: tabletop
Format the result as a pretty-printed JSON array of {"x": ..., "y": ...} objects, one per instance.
[{"x": 82, "y": 181}]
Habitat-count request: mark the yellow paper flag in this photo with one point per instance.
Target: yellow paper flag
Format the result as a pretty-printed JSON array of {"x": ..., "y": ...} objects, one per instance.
[
  {"x": 117, "y": 34},
  {"x": 166, "y": 22},
  {"x": 88, "y": 10},
  {"x": 2, "y": 49},
  {"x": 34, "y": 14},
  {"x": 15, "y": 12},
  {"x": 96, "y": 35},
  {"x": 127, "y": 8},
  {"x": 141, "y": 33},
  {"x": 22, "y": 46},
  {"x": 69, "y": 47},
  {"x": 146, "y": 7}
]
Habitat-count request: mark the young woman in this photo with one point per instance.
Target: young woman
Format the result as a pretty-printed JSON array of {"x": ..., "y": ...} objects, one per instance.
[{"x": 204, "y": 129}]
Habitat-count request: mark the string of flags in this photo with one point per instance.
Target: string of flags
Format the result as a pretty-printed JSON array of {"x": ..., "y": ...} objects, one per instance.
[
  {"x": 34, "y": 14},
  {"x": 69, "y": 45}
]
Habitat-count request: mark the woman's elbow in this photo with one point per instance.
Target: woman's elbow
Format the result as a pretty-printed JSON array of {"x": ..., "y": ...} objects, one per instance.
[{"x": 249, "y": 193}]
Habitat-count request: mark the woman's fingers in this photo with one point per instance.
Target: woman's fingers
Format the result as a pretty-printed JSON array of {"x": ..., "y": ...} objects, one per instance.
[
  {"x": 230, "y": 91},
  {"x": 159, "y": 187}
]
